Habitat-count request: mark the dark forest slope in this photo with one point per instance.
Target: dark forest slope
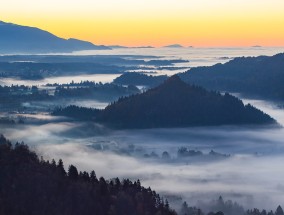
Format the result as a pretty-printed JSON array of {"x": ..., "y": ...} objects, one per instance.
[
  {"x": 32, "y": 186},
  {"x": 261, "y": 76}
]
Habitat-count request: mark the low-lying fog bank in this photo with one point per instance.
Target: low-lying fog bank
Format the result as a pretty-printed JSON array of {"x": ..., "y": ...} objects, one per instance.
[
  {"x": 103, "y": 78},
  {"x": 252, "y": 174}
]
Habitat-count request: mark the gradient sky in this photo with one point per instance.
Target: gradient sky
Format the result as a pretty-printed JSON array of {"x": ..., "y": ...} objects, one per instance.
[{"x": 155, "y": 22}]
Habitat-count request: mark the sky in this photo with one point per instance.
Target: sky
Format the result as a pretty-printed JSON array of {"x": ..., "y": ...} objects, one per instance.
[{"x": 200, "y": 23}]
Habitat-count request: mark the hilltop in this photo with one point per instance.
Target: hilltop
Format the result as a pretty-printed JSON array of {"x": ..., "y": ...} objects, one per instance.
[{"x": 173, "y": 46}]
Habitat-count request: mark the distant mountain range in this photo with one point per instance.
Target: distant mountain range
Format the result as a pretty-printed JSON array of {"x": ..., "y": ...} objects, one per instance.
[
  {"x": 173, "y": 104},
  {"x": 18, "y": 39},
  {"x": 118, "y": 47},
  {"x": 23, "y": 39},
  {"x": 127, "y": 47},
  {"x": 145, "y": 47}
]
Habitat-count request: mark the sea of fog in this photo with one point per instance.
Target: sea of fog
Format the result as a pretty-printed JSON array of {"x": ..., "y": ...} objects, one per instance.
[
  {"x": 252, "y": 175},
  {"x": 195, "y": 56},
  {"x": 104, "y": 78}
]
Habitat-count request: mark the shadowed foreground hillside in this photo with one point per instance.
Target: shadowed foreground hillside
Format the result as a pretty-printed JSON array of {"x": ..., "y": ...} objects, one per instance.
[
  {"x": 175, "y": 104},
  {"x": 32, "y": 186}
]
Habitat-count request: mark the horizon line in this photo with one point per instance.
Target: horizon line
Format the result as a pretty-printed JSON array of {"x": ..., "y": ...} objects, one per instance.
[{"x": 256, "y": 45}]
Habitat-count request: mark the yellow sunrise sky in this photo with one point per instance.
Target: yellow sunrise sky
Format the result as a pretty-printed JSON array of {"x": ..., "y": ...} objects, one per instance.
[{"x": 200, "y": 23}]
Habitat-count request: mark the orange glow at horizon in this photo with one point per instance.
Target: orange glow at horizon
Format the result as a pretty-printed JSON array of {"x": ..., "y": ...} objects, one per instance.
[{"x": 200, "y": 23}]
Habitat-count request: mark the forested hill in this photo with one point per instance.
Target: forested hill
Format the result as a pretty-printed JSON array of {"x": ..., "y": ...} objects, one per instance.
[
  {"x": 176, "y": 104},
  {"x": 261, "y": 76},
  {"x": 32, "y": 186},
  {"x": 140, "y": 79}
]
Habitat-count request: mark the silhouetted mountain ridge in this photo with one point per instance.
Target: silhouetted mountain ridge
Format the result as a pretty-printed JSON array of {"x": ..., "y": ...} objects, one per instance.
[{"x": 23, "y": 39}]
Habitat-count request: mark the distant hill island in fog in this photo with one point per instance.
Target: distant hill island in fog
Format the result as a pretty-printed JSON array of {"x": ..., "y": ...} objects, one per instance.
[
  {"x": 173, "y": 104},
  {"x": 174, "y": 46},
  {"x": 23, "y": 39},
  {"x": 140, "y": 79}
]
